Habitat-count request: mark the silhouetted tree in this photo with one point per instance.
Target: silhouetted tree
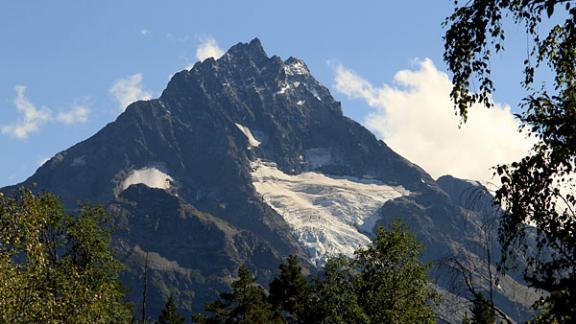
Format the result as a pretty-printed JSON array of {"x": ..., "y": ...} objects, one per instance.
[
  {"x": 482, "y": 311},
  {"x": 537, "y": 192},
  {"x": 290, "y": 293},
  {"x": 169, "y": 314},
  {"x": 245, "y": 304}
]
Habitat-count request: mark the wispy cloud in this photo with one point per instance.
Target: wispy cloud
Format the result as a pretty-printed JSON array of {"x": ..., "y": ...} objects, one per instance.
[
  {"x": 32, "y": 117},
  {"x": 415, "y": 117},
  {"x": 144, "y": 32},
  {"x": 129, "y": 90},
  {"x": 208, "y": 47},
  {"x": 76, "y": 114}
]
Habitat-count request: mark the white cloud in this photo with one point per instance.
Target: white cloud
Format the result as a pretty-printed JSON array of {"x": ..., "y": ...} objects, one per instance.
[
  {"x": 33, "y": 117},
  {"x": 129, "y": 90},
  {"x": 77, "y": 114},
  {"x": 415, "y": 117},
  {"x": 144, "y": 32},
  {"x": 208, "y": 48}
]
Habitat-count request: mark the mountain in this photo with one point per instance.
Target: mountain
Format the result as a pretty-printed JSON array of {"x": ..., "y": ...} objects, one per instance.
[{"x": 247, "y": 159}]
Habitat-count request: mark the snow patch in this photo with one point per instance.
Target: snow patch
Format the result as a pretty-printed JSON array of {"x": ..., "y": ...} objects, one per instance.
[
  {"x": 283, "y": 90},
  {"x": 300, "y": 102},
  {"x": 315, "y": 94},
  {"x": 252, "y": 141},
  {"x": 150, "y": 177},
  {"x": 296, "y": 68},
  {"x": 327, "y": 214}
]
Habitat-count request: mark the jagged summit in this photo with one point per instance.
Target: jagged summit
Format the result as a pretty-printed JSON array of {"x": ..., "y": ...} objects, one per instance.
[
  {"x": 246, "y": 67},
  {"x": 252, "y": 49}
]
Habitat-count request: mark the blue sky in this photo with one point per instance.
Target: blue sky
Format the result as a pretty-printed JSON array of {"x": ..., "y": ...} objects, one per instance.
[{"x": 66, "y": 56}]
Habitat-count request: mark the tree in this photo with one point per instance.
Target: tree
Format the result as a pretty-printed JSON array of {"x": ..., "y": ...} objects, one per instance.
[
  {"x": 290, "y": 293},
  {"x": 392, "y": 284},
  {"x": 169, "y": 314},
  {"x": 384, "y": 283},
  {"x": 245, "y": 304},
  {"x": 334, "y": 297},
  {"x": 55, "y": 267},
  {"x": 466, "y": 320},
  {"x": 537, "y": 192},
  {"x": 482, "y": 311},
  {"x": 471, "y": 275}
]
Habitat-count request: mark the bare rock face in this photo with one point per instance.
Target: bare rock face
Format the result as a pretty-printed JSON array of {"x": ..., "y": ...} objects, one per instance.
[{"x": 244, "y": 160}]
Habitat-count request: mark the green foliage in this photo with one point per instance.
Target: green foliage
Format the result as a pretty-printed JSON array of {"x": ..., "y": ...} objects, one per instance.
[
  {"x": 383, "y": 283},
  {"x": 482, "y": 311},
  {"x": 56, "y": 268},
  {"x": 290, "y": 293},
  {"x": 539, "y": 189},
  {"x": 392, "y": 285},
  {"x": 466, "y": 320},
  {"x": 335, "y": 298},
  {"x": 245, "y": 304},
  {"x": 169, "y": 314}
]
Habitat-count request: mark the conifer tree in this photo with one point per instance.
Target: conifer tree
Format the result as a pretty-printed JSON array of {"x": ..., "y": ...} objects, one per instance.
[
  {"x": 246, "y": 303},
  {"x": 482, "y": 311},
  {"x": 290, "y": 293},
  {"x": 169, "y": 314}
]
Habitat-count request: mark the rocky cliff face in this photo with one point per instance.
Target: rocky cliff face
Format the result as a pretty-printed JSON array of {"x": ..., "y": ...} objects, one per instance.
[{"x": 247, "y": 159}]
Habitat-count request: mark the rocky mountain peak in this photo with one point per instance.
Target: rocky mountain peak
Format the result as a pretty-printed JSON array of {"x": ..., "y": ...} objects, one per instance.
[
  {"x": 252, "y": 49},
  {"x": 243, "y": 160}
]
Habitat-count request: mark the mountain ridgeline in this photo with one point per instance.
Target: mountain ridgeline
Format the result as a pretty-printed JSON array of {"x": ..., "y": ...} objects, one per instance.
[{"x": 245, "y": 160}]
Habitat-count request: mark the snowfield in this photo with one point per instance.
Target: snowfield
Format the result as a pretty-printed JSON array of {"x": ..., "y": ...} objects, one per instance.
[
  {"x": 252, "y": 141},
  {"x": 150, "y": 177},
  {"x": 328, "y": 214}
]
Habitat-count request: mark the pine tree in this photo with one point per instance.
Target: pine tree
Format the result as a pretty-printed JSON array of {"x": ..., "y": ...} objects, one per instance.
[
  {"x": 383, "y": 283},
  {"x": 246, "y": 303},
  {"x": 169, "y": 314},
  {"x": 482, "y": 312},
  {"x": 290, "y": 293},
  {"x": 466, "y": 320}
]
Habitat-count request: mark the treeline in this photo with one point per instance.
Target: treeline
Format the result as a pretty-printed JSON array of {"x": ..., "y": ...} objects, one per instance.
[
  {"x": 384, "y": 283},
  {"x": 58, "y": 268}
]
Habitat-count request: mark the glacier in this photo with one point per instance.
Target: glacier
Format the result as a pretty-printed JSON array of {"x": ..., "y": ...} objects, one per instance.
[{"x": 328, "y": 215}]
